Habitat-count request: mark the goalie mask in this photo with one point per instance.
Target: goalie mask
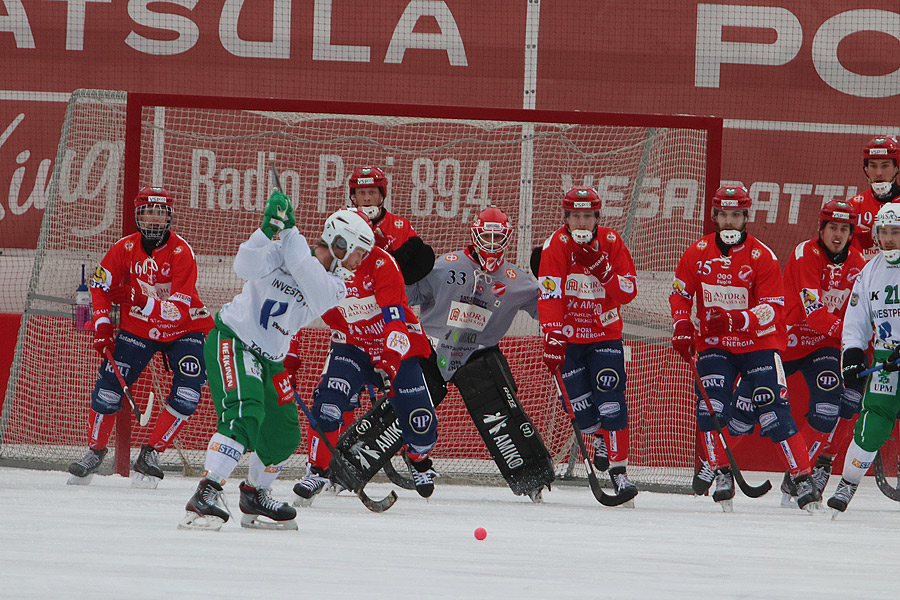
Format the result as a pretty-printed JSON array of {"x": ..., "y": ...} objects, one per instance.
[
  {"x": 153, "y": 212},
  {"x": 582, "y": 198},
  {"x": 368, "y": 177},
  {"x": 491, "y": 235},
  {"x": 886, "y": 220},
  {"x": 731, "y": 198},
  {"x": 350, "y": 231},
  {"x": 881, "y": 148}
]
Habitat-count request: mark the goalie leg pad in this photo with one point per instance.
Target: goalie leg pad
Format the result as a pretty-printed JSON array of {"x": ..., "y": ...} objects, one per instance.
[
  {"x": 487, "y": 387},
  {"x": 366, "y": 446}
]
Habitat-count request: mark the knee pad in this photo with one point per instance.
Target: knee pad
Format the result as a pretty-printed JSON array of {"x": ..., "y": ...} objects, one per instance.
[
  {"x": 823, "y": 415},
  {"x": 106, "y": 400},
  {"x": 873, "y": 430},
  {"x": 611, "y": 410},
  {"x": 184, "y": 400},
  {"x": 851, "y": 402},
  {"x": 776, "y": 422},
  {"x": 331, "y": 399}
]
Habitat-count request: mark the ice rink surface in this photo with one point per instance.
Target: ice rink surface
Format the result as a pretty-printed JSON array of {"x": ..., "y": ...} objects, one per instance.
[{"x": 108, "y": 540}]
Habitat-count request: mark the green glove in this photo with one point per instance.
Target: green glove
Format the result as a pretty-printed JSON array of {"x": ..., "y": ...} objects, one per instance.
[{"x": 278, "y": 215}]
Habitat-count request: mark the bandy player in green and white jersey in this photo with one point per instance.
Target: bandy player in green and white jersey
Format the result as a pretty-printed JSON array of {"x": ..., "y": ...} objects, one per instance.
[
  {"x": 287, "y": 286},
  {"x": 873, "y": 312},
  {"x": 468, "y": 302}
]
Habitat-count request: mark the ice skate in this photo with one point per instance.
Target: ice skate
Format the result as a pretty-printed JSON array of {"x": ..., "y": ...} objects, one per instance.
[
  {"x": 422, "y": 475},
  {"x": 724, "y": 494},
  {"x": 821, "y": 472},
  {"x": 703, "y": 479},
  {"x": 808, "y": 496},
  {"x": 622, "y": 486},
  {"x": 261, "y": 511},
  {"x": 842, "y": 496},
  {"x": 601, "y": 456},
  {"x": 146, "y": 473},
  {"x": 788, "y": 491},
  {"x": 204, "y": 512},
  {"x": 83, "y": 470},
  {"x": 309, "y": 487}
]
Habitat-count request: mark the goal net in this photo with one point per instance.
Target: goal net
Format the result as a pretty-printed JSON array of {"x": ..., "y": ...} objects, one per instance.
[{"x": 443, "y": 164}]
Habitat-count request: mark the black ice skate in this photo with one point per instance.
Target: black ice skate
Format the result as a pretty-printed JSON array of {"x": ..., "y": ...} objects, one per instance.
[
  {"x": 422, "y": 475},
  {"x": 808, "y": 497},
  {"x": 203, "y": 509},
  {"x": 261, "y": 511},
  {"x": 842, "y": 496},
  {"x": 601, "y": 456},
  {"x": 788, "y": 491},
  {"x": 703, "y": 478},
  {"x": 83, "y": 470},
  {"x": 821, "y": 472},
  {"x": 147, "y": 473},
  {"x": 724, "y": 494},
  {"x": 624, "y": 489},
  {"x": 309, "y": 487}
]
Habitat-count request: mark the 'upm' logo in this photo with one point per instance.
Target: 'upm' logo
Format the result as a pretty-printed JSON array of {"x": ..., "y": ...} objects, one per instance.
[{"x": 226, "y": 365}]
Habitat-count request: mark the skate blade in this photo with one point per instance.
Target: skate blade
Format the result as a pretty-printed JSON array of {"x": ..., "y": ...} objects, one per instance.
[
  {"x": 302, "y": 502},
  {"x": 144, "y": 482},
  {"x": 76, "y": 480},
  {"x": 536, "y": 497},
  {"x": 195, "y": 522},
  {"x": 260, "y": 522},
  {"x": 788, "y": 501},
  {"x": 629, "y": 504},
  {"x": 834, "y": 513},
  {"x": 727, "y": 505}
]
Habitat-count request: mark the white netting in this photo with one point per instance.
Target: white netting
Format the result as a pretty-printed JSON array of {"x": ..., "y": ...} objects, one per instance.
[{"x": 441, "y": 171}]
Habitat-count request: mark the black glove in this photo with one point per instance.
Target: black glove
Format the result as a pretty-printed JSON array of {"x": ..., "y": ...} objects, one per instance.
[
  {"x": 893, "y": 361},
  {"x": 853, "y": 363}
]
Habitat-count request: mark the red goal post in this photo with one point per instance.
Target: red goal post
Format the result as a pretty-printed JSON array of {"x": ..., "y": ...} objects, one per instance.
[{"x": 655, "y": 174}]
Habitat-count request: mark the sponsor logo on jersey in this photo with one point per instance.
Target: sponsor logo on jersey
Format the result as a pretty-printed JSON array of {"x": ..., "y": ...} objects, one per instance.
[
  {"x": 102, "y": 278},
  {"x": 608, "y": 409},
  {"x": 701, "y": 244},
  {"x": 252, "y": 366},
  {"x": 743, "y": 404},
  {"x": 626, "y": 285},
  {"x": 725, "y": 297},
  {"x": 109, "y": 397},
  {"x": 755, "y": 253},
  {"x": 713, "y": 381},
  {"x": 763, "y": 396},
  {"x": 550, "y": 287},
  {"x": 451, "y": 258},
  {"x": 498, "y": 289},
  {"x": 226, "y": 450},
  {"x": 186, "y": 393},
  {"x": 828, "y": 409},
  {"x": 189, "y": 365},
  {"x": 607, "y": 379},
  {"x": 607, "y": 318},
  {"x": 398, "y": 342},
  {"x": 511, "y": 273},
  {"x": 359, "y": 309},
  {"x": 828, "y": 380},
  {"x": 581, "y": 285},
  {"x": 883, "y": 382},
  {"x": 467, "y": 316}
]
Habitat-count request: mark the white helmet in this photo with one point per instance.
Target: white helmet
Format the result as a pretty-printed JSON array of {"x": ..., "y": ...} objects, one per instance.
[
  {"x": 889, "y": 214},
  {"x": 347, "y": 229}
]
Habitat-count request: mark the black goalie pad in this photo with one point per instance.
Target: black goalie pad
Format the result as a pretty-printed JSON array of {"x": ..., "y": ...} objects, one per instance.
[
  {"x": 487, "y": 387},
  {"x": 372, "y": 439}
]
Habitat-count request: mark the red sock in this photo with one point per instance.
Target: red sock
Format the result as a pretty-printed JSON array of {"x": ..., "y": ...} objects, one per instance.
[
  {"x": 319, "y": 455},
  {"x": 715, "y": 452},
  {"x": 796, "y": 455},
  {"x": 167, "y": 427},
  {"x": 815, "y": 441},
  {"x": 101, "y": 427},
  {"x": 838, "y": 439},
  {"x": 616, "y": 446}
]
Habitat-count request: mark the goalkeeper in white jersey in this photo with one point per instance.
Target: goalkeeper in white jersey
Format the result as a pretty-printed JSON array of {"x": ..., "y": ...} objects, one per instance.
[
  {"x": 469, "y": 300},
  {"x": 873, "y": 312},
  {"x": 287, "y": 286}
]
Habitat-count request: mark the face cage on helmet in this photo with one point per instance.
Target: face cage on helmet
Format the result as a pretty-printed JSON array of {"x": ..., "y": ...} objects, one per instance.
[{"x": 156, "y": 231}]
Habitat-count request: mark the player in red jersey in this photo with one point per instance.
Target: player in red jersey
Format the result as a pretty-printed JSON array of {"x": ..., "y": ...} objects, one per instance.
[
  {"x": 740, "y": 306},
  {"x": 880, "y": 159},
  {"x": 376, "y": 340},
  {"x": 818, "y": 279},
  {"x": 586, "y": 274},
  {"x": 152, "y": 275},
  {"x": 368, "y": 190}
]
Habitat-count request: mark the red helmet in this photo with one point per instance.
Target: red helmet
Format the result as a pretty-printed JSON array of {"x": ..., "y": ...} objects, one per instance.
[
  {"x": 149, "y": 198},
  {"x": 491, "y": 235},
  {"x": 730, "y": 197},
  {"x": 368, "y": 177},
  {"x": 881, "y": 147},
  {"x": 839, "y": 211},
  {"x": 580, "y": 197}
]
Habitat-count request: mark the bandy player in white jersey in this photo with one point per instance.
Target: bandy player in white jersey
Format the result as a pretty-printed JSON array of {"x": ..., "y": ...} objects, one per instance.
[
  {"x": 287, "y": 286},
  {"x": 873, "y": 315}
]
